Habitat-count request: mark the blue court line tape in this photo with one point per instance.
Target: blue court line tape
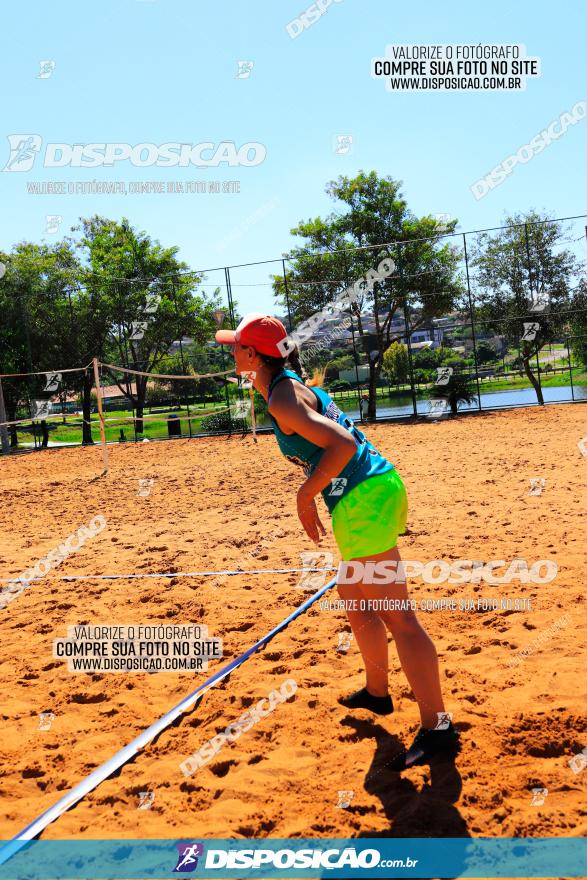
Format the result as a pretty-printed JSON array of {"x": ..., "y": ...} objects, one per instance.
[
  {"x": 121, "y": 757},
  {"x": 163, "y": 574}
]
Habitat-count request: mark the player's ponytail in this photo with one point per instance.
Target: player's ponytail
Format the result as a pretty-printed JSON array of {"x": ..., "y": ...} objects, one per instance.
[
  {"x": 294, "y": 362},
  {"x": 291, "y": 362}
]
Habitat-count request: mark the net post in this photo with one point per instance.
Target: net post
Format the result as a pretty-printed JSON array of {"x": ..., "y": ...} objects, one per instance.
[
  {"x": 100, "y": 414},
  {"x": 253, "y": 418}
]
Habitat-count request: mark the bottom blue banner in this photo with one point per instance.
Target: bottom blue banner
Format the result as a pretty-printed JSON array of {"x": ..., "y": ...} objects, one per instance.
[{"x": 311, "y": 858}]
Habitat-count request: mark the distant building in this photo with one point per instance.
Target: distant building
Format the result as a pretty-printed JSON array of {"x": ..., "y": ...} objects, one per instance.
[
  {"x": 177, "y": 345},
  {"x": 497, "y": 343},
  {"x": 428, "y": 334},
  {"x": 351, "y": 375},
  {"x": 112, "y": 397}
]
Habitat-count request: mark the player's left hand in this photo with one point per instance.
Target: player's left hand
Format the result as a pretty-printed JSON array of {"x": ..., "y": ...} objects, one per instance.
[{"x": 308, "y": 514}]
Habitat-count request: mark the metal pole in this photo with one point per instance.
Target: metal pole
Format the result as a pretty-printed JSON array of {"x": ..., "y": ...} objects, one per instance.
[
  {"x": 472, "y": 325},
  {"x": 408, "y": 331},
  {"x": 233, "y": 327},
  {"x": 570, "y": 368},
  {"x": 100, "y": 414},
  {"x": 3, "y": 427},
  {"x": 410, "y": 362},
  {"x": 29, "y": 358},
  {"x": 346, "y": 278},
  {"x": 127, "y": 365},
  {"x": 538, "y": 371},
  {"x": 181, "y": 356},
  {"x": 532, "y": 300},
  {"x": 287, "y": 296},
  {"x": 229, "y": 296}
]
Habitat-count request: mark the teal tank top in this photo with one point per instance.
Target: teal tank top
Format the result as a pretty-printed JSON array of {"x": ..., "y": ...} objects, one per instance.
[{"x": 366, "y": 462}]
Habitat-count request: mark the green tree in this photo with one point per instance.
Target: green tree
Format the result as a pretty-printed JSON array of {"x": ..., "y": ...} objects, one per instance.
[
  {"x": 150, "y": 297},
  {"x": 427, "y": 358},
  {"x": 486, "y": 354},
  {"x": 37, "y": 329},
  {"x": 339, "y": 364},
  {"x": 577, "y": 323},
  {"x": 372, "y": 214},
  {"x": 458, "y": 389},
  {"x": 396, "y": 363},
  {"x": 518, "y": 268}
]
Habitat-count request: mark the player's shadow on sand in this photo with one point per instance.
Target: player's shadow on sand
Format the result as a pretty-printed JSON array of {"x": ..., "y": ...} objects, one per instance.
[{"x": 429, "y": 812}]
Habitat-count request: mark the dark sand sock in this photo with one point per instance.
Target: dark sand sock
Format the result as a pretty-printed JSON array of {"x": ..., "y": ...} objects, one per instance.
[
  {"x": 364, "y": 700},
  {"x": 426, "y": 744}
]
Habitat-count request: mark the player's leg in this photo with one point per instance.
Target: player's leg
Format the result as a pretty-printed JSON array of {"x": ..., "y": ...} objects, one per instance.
[
  {"x": 415, "y": 648},
  {"x": 371, "y": 637}
]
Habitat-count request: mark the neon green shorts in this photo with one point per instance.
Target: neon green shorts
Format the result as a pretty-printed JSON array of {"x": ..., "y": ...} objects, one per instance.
[{"x": 369, "y": 519}]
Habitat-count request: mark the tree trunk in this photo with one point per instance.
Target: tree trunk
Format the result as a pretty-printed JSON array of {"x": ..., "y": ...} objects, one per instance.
[
  {"x": 4, "y": 428},
  {"x": 139, "y": 424},
  {"x": 11, "y": 415},
  {"x": 374, "y": 371},
  {"x": 45, "y": 434},
  {"x": 140, "y": 407},
  {"x": 87, "y": 439},
  {"x": 533, "y": 380}
]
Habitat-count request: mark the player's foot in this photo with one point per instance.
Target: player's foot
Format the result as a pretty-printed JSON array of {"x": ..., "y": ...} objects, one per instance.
[
  {"x": 364, "y": 700},
  {"x": 428, "y": 742}
]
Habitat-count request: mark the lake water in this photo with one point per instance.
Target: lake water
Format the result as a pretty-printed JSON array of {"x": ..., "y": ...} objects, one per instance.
[{"x": 489, "y": 400}]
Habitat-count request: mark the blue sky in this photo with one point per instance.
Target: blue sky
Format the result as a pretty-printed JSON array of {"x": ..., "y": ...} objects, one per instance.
[{"x": 158, "y": 71}]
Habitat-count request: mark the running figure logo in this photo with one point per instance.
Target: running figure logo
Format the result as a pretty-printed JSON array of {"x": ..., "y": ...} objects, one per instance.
[
  {"x": 145, "y": 485},
  {"x": 441, "y": 221},
  {"x": 137, "y": 330},
  {"x": 443, "y": 375},
  {"x": 146, "y": 799},
  {"x": 189, "y": 853},
  {"x": 40, "y": 409},
  {"x": 538, "y": 302},
  {"x": 46, "y": 69},
  {"x": 538, "y": 796},
  {"x": 52, "y": 223},
  {"x": 438, "y": 407},
  {"x": 578, "y": 762},
  {"x": 344, "y": 641},
  {"x": 241, "y": 409},
  {"x": 530, "y": 331},
  {"x": 23, "y": 150},
  {"x": 444, "y": 720},
  {"x": 245, "y": 68},
  {"x": 45, "y": 720},
  {"x": 345, "y": 797},
  {"x": 52, "y": 381},
  {"x": 343, "y": 144},
  {"x": 338, "y": 485},
  {"x": 313, "y": 580}
]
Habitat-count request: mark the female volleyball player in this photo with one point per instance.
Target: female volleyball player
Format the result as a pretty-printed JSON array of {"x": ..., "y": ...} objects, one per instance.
[{"x": 368, "y": 502}]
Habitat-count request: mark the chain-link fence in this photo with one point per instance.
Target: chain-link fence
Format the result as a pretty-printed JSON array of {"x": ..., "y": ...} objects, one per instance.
[{"x": 412, "y": 328}]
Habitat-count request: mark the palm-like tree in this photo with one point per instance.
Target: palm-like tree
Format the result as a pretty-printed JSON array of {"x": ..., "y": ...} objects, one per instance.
[{"x": 456, "y": 391}]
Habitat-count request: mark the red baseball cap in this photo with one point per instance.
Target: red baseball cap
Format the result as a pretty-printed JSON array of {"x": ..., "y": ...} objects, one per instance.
[{"x": 261, "y": 332}]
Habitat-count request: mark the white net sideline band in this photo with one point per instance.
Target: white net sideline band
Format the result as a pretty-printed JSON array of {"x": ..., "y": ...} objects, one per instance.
[
  {"x": 163, "y": 574},
  {"x": 45, "y": 372},
  {"x": 114, "y": 367},
  {"x": 163, "y": 375},
  {"x": 34, "y": 828}
]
